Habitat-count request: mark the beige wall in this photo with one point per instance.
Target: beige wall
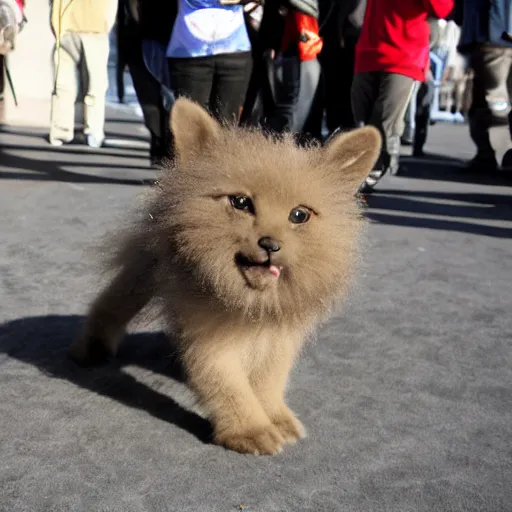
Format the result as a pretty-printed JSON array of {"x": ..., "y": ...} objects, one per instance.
[{"x": 31, "y": 69}]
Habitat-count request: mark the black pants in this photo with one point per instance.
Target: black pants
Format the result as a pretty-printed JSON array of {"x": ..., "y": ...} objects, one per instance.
[
  {"x": 422, "y": 119},
  {"x": 2, "y": 75},
  {"x": 338, "y": 68},
  {"x": 147, "y": 88},
  {"x": 218, "y": 83}
]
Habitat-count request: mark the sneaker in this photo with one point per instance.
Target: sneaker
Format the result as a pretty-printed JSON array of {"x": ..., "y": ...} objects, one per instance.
[
  {"x": 394, "y": 164},
  {"x": 58, "y": 142},
  {"x": 94, "y": 142},
  {"x": 371, "y": 180},
  {"x": 506, "y": 163}
]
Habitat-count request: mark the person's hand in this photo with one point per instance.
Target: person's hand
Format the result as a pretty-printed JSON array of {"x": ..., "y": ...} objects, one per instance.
[
  {"x": 8, "y": 28},
  {"x": 7, "y": 39}
]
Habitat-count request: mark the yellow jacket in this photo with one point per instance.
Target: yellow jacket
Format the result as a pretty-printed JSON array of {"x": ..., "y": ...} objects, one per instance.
[{"x": 86, "y": 16}]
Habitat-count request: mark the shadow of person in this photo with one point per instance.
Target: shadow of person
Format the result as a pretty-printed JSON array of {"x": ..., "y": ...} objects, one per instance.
[
  {"x": 43, "y": 342},
  {"x": 442, "y": 168}
]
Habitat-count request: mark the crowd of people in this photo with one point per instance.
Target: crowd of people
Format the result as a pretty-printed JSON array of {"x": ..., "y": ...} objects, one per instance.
[{"x": 309, "y": 67}]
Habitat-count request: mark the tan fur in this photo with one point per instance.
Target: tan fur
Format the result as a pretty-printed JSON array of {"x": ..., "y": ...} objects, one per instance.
[{"x": 239, "y": 329}]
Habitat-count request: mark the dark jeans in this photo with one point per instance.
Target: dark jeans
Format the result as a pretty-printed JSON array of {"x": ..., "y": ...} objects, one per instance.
[
  {"x": 147, "y": 88},
  {"x": 218, "y": 83},
  {"x": 381, "y": 99},
  {"x": 295, "y": 86},
  {"x": 148, "y": 91},
  {"x": 338, "y": 68},
  {"x": 423, "y": 103},
  {"x": 491, "y": 67},
  {"x": 2, "y": 74}
]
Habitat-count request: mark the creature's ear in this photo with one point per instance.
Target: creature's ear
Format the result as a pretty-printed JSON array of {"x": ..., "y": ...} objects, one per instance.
[
  {"x": 353, "y": 154},
  {"x": 192, "y": 127}
]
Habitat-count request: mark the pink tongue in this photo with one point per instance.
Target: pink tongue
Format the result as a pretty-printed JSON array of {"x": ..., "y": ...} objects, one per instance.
[{"x": 274, "y": 270}]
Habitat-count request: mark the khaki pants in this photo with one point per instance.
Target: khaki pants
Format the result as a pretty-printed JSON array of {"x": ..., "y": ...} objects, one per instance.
[
  {"x": 380, "y": 99},
  {"x": 491, "y": 97},
  {"x": 80, "y": 65}
]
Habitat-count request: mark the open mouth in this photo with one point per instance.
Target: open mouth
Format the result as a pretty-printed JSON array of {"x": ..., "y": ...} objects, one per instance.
[{"x": 248, "y": 264}]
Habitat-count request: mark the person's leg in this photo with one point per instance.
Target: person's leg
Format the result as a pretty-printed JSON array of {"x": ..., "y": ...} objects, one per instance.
[
  {"x": 312, "y": 128},
  {"x": 2, "y": 76},
  {"x": 407, "y": 137},
  {"x": 365, "y": 89},
  {"x": 331, "y": 66},
  {"x": 192, "y": 78},
  {"x": 308, "y": 85},
  {"x": 148, "y": 91},
  {"x": 423, "y": 101},
  {"x": 347, "y": 65},
  {"x": 287, "y": 75},
  {"x": 388, "y": 115},
  {"x": 67, "y": 56},
  {"x": 490, "y": 102},
  {"x": 363, "y": 95},
  {"x": 252, "y": 107},
  {"x": 230, "y": 83},
  {"x": 96, "y": 50}
]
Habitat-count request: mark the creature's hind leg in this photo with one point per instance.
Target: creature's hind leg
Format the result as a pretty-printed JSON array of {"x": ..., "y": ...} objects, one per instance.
[{"x": 127, "y": 294}]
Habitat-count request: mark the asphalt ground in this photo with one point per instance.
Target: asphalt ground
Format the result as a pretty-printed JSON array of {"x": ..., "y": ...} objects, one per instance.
[{"x": 406, "y": 395}]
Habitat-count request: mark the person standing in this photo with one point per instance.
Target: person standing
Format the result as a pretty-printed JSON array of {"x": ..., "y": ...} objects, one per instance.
[
  {"x": 11, "y": 23},
  {"x": 341, "y": 26},
  {"x": 12, "y": 20},
  {"x": 81, "y": 29},
  {"x": 486, "y": 38},
  {"x": 143, "y": 30},
  {"x": 209, "y": 54},
  {"x": 392, "y": 54}
]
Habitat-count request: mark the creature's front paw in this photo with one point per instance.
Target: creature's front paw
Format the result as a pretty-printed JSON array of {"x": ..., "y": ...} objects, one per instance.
[
  {"x": 289, "y": 426},
  {"x": 88, "y": 351},
  {"x": 258, "y": 441}
]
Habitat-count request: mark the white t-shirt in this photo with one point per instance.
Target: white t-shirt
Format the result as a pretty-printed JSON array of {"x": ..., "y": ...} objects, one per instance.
[{"x": 205, "y": 27}]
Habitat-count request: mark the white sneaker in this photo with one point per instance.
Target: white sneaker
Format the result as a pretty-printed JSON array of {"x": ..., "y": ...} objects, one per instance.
[
  {"x": 94, "y": 142},
  {"x": 58, "y": 142}
]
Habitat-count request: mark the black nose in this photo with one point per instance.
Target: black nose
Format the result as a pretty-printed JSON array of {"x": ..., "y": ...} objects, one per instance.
[{"x": 269, "y": 244}]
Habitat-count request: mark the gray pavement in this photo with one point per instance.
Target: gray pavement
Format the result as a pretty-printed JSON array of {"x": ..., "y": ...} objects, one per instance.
[{"x": 406, "y": 395}]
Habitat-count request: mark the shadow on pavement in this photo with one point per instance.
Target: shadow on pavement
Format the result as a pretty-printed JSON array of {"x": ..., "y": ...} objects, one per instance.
[
  {"x": 442, "y": 168},
  {"x": 422, "y": 208},
  {"x": 75, "y": 149},
  {"x": 33, "y": 169},
  {"x": 43, "y": 342},
  {"x": 444, "y": 225}
]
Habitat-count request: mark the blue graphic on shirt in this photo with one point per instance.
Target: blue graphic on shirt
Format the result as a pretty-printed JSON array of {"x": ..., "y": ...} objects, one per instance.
[{"x": 205, "y": 27}]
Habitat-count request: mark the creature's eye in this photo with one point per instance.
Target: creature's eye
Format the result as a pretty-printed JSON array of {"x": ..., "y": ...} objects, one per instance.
[
  {"x": 243, "y": 203},
  {"x": 299, "y": 215}
]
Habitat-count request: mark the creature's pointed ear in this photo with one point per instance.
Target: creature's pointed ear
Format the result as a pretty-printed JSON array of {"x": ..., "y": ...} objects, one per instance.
[
  {"x": 192, "y": 127},
  {"x": 353, "y": 154}
]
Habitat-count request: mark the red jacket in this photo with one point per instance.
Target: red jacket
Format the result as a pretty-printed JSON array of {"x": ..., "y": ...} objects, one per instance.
[{"x": 395, "y": 36}]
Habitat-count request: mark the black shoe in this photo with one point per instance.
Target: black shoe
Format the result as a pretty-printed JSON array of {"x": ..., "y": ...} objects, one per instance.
[
  {"x": 483, "y": 164},
  {"x": 506, "y": 163},
  {"x": 371, "y": 180}
]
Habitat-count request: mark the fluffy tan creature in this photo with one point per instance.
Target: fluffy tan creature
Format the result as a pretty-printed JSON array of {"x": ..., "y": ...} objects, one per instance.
[{"x": 247, "y": 243}]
